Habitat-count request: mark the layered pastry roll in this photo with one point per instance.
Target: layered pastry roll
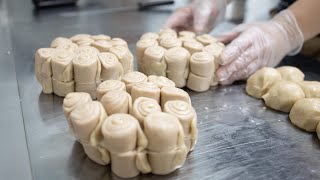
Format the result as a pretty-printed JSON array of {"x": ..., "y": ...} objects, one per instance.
[
  {"x": 198, "y": 83},
  {"x": 154, "y": 59},
  {"x": 206, "y": 39},
  {"x": 133, "y": 78},
  {"x": 142, "y": 45},
  {"x": 150, "y": 35},
  {"x": 166, "y": 148},
  {"x": 62, "y": 67},
  {"x": 187, "y": 34},
  {"x": 145, "y": 89},
  {"x": 188, "y": 119},
  {"x": 102, "y": 45},
  {"x": 117, "y": 101},
  {"x": 144, "y": 106},
  {"x": 161, "y": 81},
  {"x": 187, "y": 39},
  {"x": 62, "y": 88},
  {"x": 167, "y": 31},
  {"x": 173, "y": 93},
  {"x": 118, "y": 42},
  {"x": 88, "y": 49},
  {"x": 170, "y": 42},
  {"x": 43, "y": 61},
  {"x": 100, "y": 37},
  {"x": 124, "y": 56},
  {"x": 89, "y": 88},
  {"x": 125, "y": 140},
  {"x": 86, "y": 68},
  {"x": 193, "y": 46},
  {"x": 46, "y": 83},
  {"x": 59, "y": 40},
  {"x": 87, "y": 120},
  {"x": 111, "y": 68},
  {"x": 177, "y": 60},
  {"x": 109, "y": 85},
  {"x": 69, "y": 47},
  {"x": 85, "y": 42},
  {"x": 78, "y": 37}
]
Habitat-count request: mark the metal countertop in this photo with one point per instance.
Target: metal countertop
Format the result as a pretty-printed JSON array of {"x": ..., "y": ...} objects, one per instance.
[{"x": 239, "y": 138}]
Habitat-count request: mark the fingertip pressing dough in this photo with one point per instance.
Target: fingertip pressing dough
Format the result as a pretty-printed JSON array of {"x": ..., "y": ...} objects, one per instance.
[
  {"x": 305, "y": 114},
  {"x": 161, "y": 81},
  {"x": 259, "y": 83},
  {"x": 109, "y": 85},
  {"x": 145, "y": 89},
  {"x": 310, "y": 88},
  {"x": 143, "y": 106},
  {"x": 116, "y": 101},
  {"x": 132, "y": 78},
  {"x": 290, "y": 73}
]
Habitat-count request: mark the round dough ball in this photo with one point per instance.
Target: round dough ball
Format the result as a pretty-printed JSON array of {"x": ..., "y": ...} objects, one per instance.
[
  {"x": 305, "y": 114},
  {"x": 261, "y": 81},
  {"x": 290, "y": 73},
  {"x": 311, "y": 88},
  {"x": 282, "y": 95}
]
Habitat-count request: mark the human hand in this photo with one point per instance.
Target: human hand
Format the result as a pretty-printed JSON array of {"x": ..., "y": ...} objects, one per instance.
[{"x": 257, "y": 45}]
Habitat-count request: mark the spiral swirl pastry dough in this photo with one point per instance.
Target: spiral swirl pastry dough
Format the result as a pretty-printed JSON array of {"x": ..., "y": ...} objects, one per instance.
[
  {"x": 86, "y": 68},
  {"x": 85, "y": 42},
  {"x": 206, "y": 39},
  {"x": 193, "y": 46},
  {"x": 118, "y": 42},
  {"x": 214, "y": 49},
  {"x": 116, "y": 101},
  {"x": 187, "y": 39},
  {"x": 109, "y": 85},
  {"x": 173, "y": 93},
  {"x": 89, "y": 88},
  {"x": 154, "y": 59},
  {"x": 43, "y": 61},
  {"x": 62, "y": 67},
  {"x": 79, "y": 37},
  {"x": 188, "y": 119},
  {"x": 144, "y": 106},
  {"x": 133, "y": 78},
  {"x": 124, "y": 56},
  {"x": 167, "y": 31},
  {"x": 100, "y": 37},
  {"x": 88, "y": 49},
  {"x": 202, "y": 64},
  {"x": 142, "y": 45},
  {"x": 198, "y": 83},
  {"x": 102, "y": 45},
  {"x": 150, "y": 35},
  {"x": 170, "y": 42},
  {"x": 161, "y": 81},
  {"x": 111, "y": 68},
  {"x": 145, "y": 89},
  {"x": 59, "y": 40},
  {"x": 69, "y": 47},
  {"x": 187, "y": 34}
]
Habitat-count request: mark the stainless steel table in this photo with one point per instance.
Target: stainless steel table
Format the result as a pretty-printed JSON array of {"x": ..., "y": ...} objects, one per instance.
[{"x": 239, "y": 138}]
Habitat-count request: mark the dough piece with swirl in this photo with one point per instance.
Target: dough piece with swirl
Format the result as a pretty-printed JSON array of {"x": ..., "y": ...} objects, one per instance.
[
  {"x": 161, "y": 81},
  {"x": 133, "y": 78},
  {"x": 117, "y": 101},
  {"x": 141, "y": 46},
  {"x": 188, "y": 119},
  {"x": 206, "y": 39},
  {"x": 79, "y": 37},
  {"x": 100, "y": 37},
  {"x": 62, "y": 67},
  {"x": 87, "y": 68},
  {"x": 154, "y": 59},
  {"x": 193, "y": 46},
  {"x": 290, "y": 73},
  {"x": 187, "y": 34},
  {"x": 166, "y": 148},
  {"x": 69, "y": 47},
  {"x": 118, "y": 42},
  {"x": 124, "y": 56},
  {"x": 102, "y": 45},
  {"x": 310, "y": 88},
  {"x": 173, "y": 93},
  {"x": 128, "y": 157},
  {"x": 145, "y": 89},
  {"x": 62, "y": 88},
  {"x": 111, "y": 68},
  {"x": 144, "y": 106},
  {"x": 43, "y": 68},
  {"x": 149, "y": 35},
  {"x": 177, "y": 60},
  {"x": 109, "y": 85},
  {"x": 89, "y": 88},
  {"x": 198, "y": 83},
  {"x": 88, "y": 49},
  {"x": 282, "y": 95},
  {"x": 87, "y": 120},
  {"x": 170, "y": 42},
  {"x": 59, "y": 40}
]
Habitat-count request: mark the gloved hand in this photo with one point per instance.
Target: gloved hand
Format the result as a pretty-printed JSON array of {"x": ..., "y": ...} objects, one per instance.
[
  {"x": 256, "y": 45},
  {"x": 200, "y": 16}
]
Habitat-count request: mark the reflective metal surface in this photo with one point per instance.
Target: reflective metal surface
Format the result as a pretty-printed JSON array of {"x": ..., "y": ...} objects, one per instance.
[{"x": 239, "y": 138}]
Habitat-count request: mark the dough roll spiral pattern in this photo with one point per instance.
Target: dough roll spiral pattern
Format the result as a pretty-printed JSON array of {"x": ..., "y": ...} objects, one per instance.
[
  {"x": 117, "y": 101},
  {"x": 133, "y": 78},
  {"x": 109, "y": 85},
  {"x": 144, "y": 106},
  {"x": 145, "y": 89}
]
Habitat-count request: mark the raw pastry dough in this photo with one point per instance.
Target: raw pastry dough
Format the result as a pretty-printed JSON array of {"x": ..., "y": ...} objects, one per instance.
[
  {"x": 166, "y": 148},
  {"x": 118, "y": 42},
  {"x": 100, "y": 37},
  {"x": 261, "y": 81},
  {"x": 193, "y": 46},
  {"x": 154, "y": 59},
  {"x": 116, "y": 101},
  {"x": 198, "y": 83},
  {"x": 59, "y": 40},
  {"x": 69, "y": 47},
  {"x": 89, "y": 88},
  {"x": 188, "y": 119},
  {"x": 206, "y": 39},
  {"x": 62, "y": 88},
  {"x": 62, "y": 68},
  {"x": 79, "y": 37},
  {"x": 310, "y": 88},
  {"x": 46, "y": 83},
  {"x": 43, "y": 68},
  {"x": 109, "y": 85},
  {"x": 111, "y": 68},
  {"x": 170, "y": 42},
  {"x": 187, "y": 34},
  {"x": 142, "y": 45},
  {"x": 86, "y": 68},
  {"x": 102, "y": 45},
  {"x": 88, "y": 49},
  {"x": 161, "y": 81},
  {"x": 282, "y": 95},
  {"x": 124, "y": 56},
  {"x": 132, "y": 78},
  {"x": 127, "y": 155},
  {"x": 144, "y": 106},
  {"x": 145, "y": 89},
  {"x": 290, "y": 73},
  {"x": 305, "y": 114},
  {"x": 85, "y": 42},
  {"x": 150, "y": 35},
  {"x": 173, "y": 93}
]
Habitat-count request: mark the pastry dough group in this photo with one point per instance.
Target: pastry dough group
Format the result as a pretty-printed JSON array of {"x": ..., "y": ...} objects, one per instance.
[
  {"x": 80, "y": 63},
  {"x": 284, "y": 89},
  {"x": 139, "y": 125},
  {"x": 186, "y": 59}
]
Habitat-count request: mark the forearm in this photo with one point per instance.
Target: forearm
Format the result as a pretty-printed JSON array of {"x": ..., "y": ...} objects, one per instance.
[{"x": 307, "y": 14}]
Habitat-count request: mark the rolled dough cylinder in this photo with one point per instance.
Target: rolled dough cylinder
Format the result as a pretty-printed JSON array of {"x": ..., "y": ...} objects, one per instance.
[
  {"x": 62, "y": 88},
  {"x": 62, "y": 67},
  {"x": 46, "y": 83},
  {"x": 170, "y": 42},
  {"x": 173, "y": 93},
  {"x": 188, "y": 119},
  {"x": 43, "y": 61},
  {"x": 111, "y": 68},
  {"x": 119, "y": 42},
  {"x": 85, "y": 42},
  {"x": 198, "y": 83},
  {"x": 145, "y": 89},
  {"x": 259, "y": 83},
  {"x": 144, "y": 106},
  {"x": 100, "y": 37},
  {"x": 206, "y": 39},
  {"x": 79, "y": 37},
  {"x": 193, "y": 46},
  {"x": 141, "y": 46},
  {"x": 109, "y": 85},
  {"x": 202, "y": 64},
  {"x": 133, "y": 78},
  {"x": 124, "y": 56},
  {"x": 282, "y": 95},
  {"x": 153, "y": 59},
  {"x": 305, "y": 114},
  {"x": 310, "y": 88},
  {"x": 116, "y": 101},
  {"x": 102, "y": 45},
  {"x": 161, "y": 81},
  {"x": 187, "y": 34},
  {"x": 88, "y": 49},
  {"x": 290, "y": 73},
  {"x": 69, "y": 47},
  {"x": 167, "y": 31},
  {"x": 59, "y": 40},
  {"x": 86, "y": 68},
  {"x": 89, "y": 88},
  {"x": 149, "y": 35},
  {"x": 187, "y": 39}
]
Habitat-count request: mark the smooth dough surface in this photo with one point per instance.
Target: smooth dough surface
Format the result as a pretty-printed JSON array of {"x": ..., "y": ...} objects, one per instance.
[
  {"x": 145, "y": 89},
  {"x": 109, "y": 85},
  {"x": 310, "y": 88},
  {"x": 290, "y": 73},
  {"x": 144, "y": 106},
  {"x": 116, "y": 101}
]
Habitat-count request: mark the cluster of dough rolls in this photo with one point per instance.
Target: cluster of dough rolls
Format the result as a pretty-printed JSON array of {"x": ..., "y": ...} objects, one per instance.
[
  {"x": 183, "y": 57},
  {"x": 138, "y": 125},
  {"x": 284, "y": 89},
  {"x": 80, "y": 63}
]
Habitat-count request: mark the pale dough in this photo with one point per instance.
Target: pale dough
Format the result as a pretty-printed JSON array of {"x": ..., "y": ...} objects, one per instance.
[
  {"x": 100, "y": 37},
  {"x": 46, "y": 83},
  {"x": 43, "y": 61},
  {"x": 78, "y": 37},
  {"x": 132, "y": 78},
  {"x": 109, "y": 85},
  {"x": 102, "y": 45},
  {"x": 116, "y": 101},
  {"x": 170, "y": 42},
  {"x": 187, "y": 34},
  {"x": 69, "y": 47},
  {"x": 145, "y": 89},
  {"x": 161, "y": 81},
  {"x": 173, "y": 93},
  {"x": 290, "y": 73},
  {"x": 89, "y": 88},
  {"x": 62, "y": 67},
  {"x": 198, "y": 83},
  {"x": 141, "y": 46},
  {"x": 193, "y": 46},
  {"x": 124, "y": 56},
  {"x": 118, "y": 42},
  {"x": 85, "y": 42},
  {"x": 59, "y": 40},
  {"x": 310, "y": 88},
  {"x": 150, "y": 35},
  {"x": 202, "y": 64},
  {"x": 144, "y": 106},
  {"x": 62, "y": 88},
  {"x": 206, "y": 39},
  {"x": 111, "y": 68},
  {"x": 153, "y": 59},
  {"x": 87, "y": 68}
]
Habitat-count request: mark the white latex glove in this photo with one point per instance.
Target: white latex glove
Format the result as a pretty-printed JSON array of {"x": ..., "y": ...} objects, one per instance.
[
  {"x": 200, "y": 16},
  {"x": 257, "y": 45}
]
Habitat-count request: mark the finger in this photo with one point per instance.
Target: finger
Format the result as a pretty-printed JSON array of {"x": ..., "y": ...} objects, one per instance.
[
  {"x": 179, "y": 18},
  {"x": 228, "y": 37},
  {"x": 242, "y": 74}
]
